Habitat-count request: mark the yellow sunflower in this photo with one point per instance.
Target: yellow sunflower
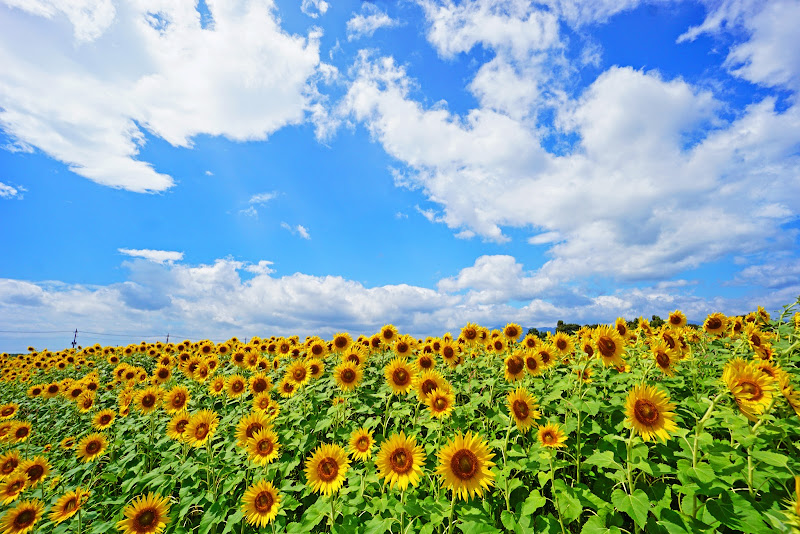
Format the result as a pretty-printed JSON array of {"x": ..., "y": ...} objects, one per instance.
[
  {"x": 523, "y": 408},
  {"x": 441, "y": 402},
  {"x": 676, "y": 319},
  {"x": 298, "y": 372},
  {"x": 533, "y": 363},
  {"x": 400, "y": 461},
  {"x": 405, "y": 346},
  {"x": 715, "y": 324},
  {"x": 36, "y": 469},
  {"x": 263, "y": 447},
  {"x": 399, "y": 376},
  {"x": 426, "y": 362},
  {"x": 217, "y": 386},
  {"x": 9, "y": 463},
  {"x": 145, "y": 515},
  {"x": 450, "y": 352},
  {"x": 326, "y": 468},
  {"x": 341, "y": 342},
  {"x": 201, "y": 427},
  {"x": 551, "y": 435},
  {"x": 512, "y": 331},
  {"x": 236, "y": 386},
  {"x": 20, "y": 431},
  {"x": 68, "y": 505},
  {"x": 316, "y": 368},
  {"x": 361, "y": 442},
  {"x": 665, "y": 357},
  {"x": 176, "y": 400},
  {"x": 147, "y": 399},
  {"x": 610, "y": 345},
  {"x": 7, "y": 411},
  {"x": 12, "y": 487},
  {"x": 176, "y": 428},
  {"x": 514, "y": 366},
  {"x": 260, "y": 503},
  {"x": 650, "y": 413},
  {"x": 22, "y": 518},
  {"x": 751, "y": 388},
  {"x": 286, "y": 387},
  {"x": 428, "y": 381},
  {"x": 563, "y": 343},
  {"x": 103, "y": 419},
  {"x": 547, "y": 354},
  {"x": 465, "y": 466},
  {"x": 388, "y": 334},
  {"x": 92, "y": 447}
]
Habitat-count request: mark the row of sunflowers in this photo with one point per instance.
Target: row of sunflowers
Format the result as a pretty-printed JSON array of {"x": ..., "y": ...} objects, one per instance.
[{"x": 615, "y": 428}]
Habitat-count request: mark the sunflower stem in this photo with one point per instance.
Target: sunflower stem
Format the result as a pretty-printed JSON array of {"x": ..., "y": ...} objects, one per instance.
[
  {"x": 452, "y": 508},
  {"x": 402, "y": 510},
  {"x": 505, "y": 452},
  {"x": 553, "y": 490},
  {"x": 333, "y": 509},
  {"x": 79, "y": 521},
  {"x": 698, "y": 429}
]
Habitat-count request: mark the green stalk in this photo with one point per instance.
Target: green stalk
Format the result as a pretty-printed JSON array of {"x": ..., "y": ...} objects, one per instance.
[{"x": 553, "y": 490}]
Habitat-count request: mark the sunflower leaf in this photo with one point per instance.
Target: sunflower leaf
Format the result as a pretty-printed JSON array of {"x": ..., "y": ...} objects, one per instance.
[{"x": 636, "y": 506}]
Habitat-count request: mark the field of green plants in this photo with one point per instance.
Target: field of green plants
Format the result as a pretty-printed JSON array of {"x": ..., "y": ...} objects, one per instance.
[{"x": 611, "y": 429}]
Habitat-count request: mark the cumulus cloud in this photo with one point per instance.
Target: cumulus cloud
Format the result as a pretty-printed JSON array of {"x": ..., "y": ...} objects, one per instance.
[
  {"x": 368, "y": 21},
  {"x": 314, "y": 8},
  {"x": 216, "y": 301},
  {"x": 85, "y": 81},
  {"x": 157, "y": 256},
  {"x": 8, "y": 191},
  {"x": 300, "y": 230}
]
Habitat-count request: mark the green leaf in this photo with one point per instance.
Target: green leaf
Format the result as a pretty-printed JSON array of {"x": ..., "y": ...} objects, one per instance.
[
  {"x": 568, "y": 503},
  {"x": 532, "y": 503},
  {"x": 636, "y": 506},
  {"x": 603, "y": 459},
  {"x": 508, "y": 519},
  {"x": 597, "y": 525},
  {"x": 771, "y": 458},
  {"x": 377, "y": 525},
  {"x": 477, "y": 527}
]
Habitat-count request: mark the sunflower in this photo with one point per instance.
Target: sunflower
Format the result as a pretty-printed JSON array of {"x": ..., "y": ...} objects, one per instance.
[
  {"x": 249, "y": 424},
  {"x": 551, "y": 435},
  {"x": 400, "y": 461},
  {"x": 361, "y": 442},
  {"x": 286, "y": 387},
  {"x": 316, "y": 348},
  {"x": 20, "y": 431},
  {"x": 147, "y": 400},
  {"x": 400, "y": 376},
  {"x": 298, "y": 373},
  {"x": 103, "y": 419},
  {"x": 677, "y": 319},
  {"x": 263, "y": 446},
  {"x": 751, "y": 388},
  {"x": 584, "y": 374},
  {"x": 563, "y": 343},
  {"x": 388, "y": 334},
  {"x": 217, "y": 386},
  {"x": 68, "y": 443},
  {"x": 533, "y": 363},
  {"x": 341, "y": 342},
  {"x": 35, "y": 469},
  {"x": 12, "y": 486},
  {"x": 52, "y": 390},
  {"x": 547, "y": 355},
  {"x": 68, "y": 505},
  {"x": 512, "y": 331},
  {"x": 145, "y": 515},
  {"x": 7, "y": 411},
  {"x": 162, "y": 374},
  {"x": 176, "y": 400},
  {"x": 201, "y": 427},
  {"x": 441, "y": 401},
  {"x": 665, "y": 357},
  {"x": 450, "y": 352},
  {"x": 427, "y": 382},
  {"x": 715, "y": 324},
  {"x": 523, "y": 408},
  {"x": 176, "y": 428},
  {"x": 465, "y": 466},
  {"x": 5, "y": 430},
  {"x": 22, "y": 518},
  {"x": 260, "y": 503},
  {"x": 650, "y": 413},
  {"x": 92, "y": 447},
  {"x": 236, "y": 386},
  {"x": 514, "y": 366},
  {"x": 326, "y": 468},
  {"x": 497, "y": 344},
  {"x": 621, "y": 326},
  {"x": 610, "y": 345},
  {"x": 789, "y": 393}
]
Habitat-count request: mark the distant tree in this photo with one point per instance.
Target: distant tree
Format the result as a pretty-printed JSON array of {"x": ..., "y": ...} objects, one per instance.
[
  {"x": 567, "y": 328},
  {"x": 656, "y": 322},
  {"x": 535, "y": 332}
]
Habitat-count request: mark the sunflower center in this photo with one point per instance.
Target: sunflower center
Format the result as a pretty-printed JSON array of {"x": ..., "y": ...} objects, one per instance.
[
  {"x": 178, "y": 400},
  {"x": 201, "y": 431},
  {"x": 237, "y": 386},
  {"x": 448, "y": 352},
  {"x": 515, "y": 366},
  {"x": 531, "y": 363},
  {"x": 263, "y": 502},
  {"x": 9, "y": 466},
  {"x": 15, "y": 487},
  {"x": 328, "y": 469},
  {"x": 545, "y": 357},
  {"x": 401, "y": 461},
  {"x": 354, "y": 358},
  {"x": 148, "y": 400},
  {"x": 299, "y": 374},
  {"x": 498, "y": 345},
  {"x": 425, "y": 362},
  {"x": 7, "y": 411},
  {"x": 440, "y": 404},
  {"x": 181, "y": 426},
  {"x": 511, "y": 331},
  {"x": 402, "y": 347},
  {"x": 548, "y": 438},
  {"x": 646, "y": 412},
  {"x": 362, "y": 444},
  {"x": 71, "y": 505},
  {"x": 265, "y": 446},
  {"x": 606, "y": 346},
  {"x": 400, "y": 377},
  {"x": 755, "y": 339},
  {"x": 146, "y": 518},
  {"x": 753, "y": 390},
  {"x": 561, "y": 344},
  {"x": 24, "y": 519},
  {"x": 348, "y": 376},
  {"x": 714, "y": 323},
  {"x": 388, "y": 334},
  {"x": 35, "y": 472},
  {"x": 340, "y": 342},
  {"x": 470, "y": 334},
  {"x": 521, "y": 409},
  {"x": 428, "y": 386},
  {"x": 464, "y": 464},
  {"x": 163, "y": 374},
  {"x": 253, "y": 428},
  {"x": 92, "y": 447},
  {"x": 663, "y": 359},
  {"x": 674, "y": 319},
  {"x": 52, "y": 390}
]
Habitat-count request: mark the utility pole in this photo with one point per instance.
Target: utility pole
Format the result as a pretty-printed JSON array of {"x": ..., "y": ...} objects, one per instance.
[
  {"x": 75, "y": 339},
  {"x": 167, "y": 337}
]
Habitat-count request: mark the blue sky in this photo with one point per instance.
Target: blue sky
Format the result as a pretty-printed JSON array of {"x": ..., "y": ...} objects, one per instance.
[{"x": 254, "y": 167}]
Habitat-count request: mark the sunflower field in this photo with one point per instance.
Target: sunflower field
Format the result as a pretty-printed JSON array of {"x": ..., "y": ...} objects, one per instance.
[{"x": 673, "y": 429}]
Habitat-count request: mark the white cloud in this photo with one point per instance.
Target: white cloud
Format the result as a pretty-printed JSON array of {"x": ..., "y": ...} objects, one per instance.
[
  {"x": 157, "y": 256},
  {"x": 214, "y": 301},
  {"x": 84, "y": 81},
  {"x": 263, "y": 198},
  {"x": 209, "y": 173},
  {"x": 7, "y": 191},
  {"x": 249, "y": 211},
  {"x": 368, "y": 21},
  {"x": 300, "y": 230},
  {"x": 314, "y": 8}
]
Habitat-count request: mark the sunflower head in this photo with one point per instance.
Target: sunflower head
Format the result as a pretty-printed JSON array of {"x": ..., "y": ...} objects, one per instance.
[
  {"x": 400, "y": 461},
  {"x": 176, "y": 399},
  {"x": 523, "y": 408},
  {"x": 260, "y": 504},
  {"x": 514, "y": 366},
  {"x": 388, "y": 334},
  {"x": 341, "y": 342},
  {"x": 610, "y": 345},
  {"x": 147, "y": 514},
  {"x": 563, "y": 343},
  {"x": 326, "y": 468},
  {"x": 298, "y": 372},
  {"x": 263, "y": 446},
  {"x": 441, "y": 402},
  {"x": 176, "y": 428},
  {"x": 400, "y": 376},
  {"x": 92, "y": 447},
  {"x": 249, "y": 424},
  {"x": 551, "y": 435},
  {"x": 512, "y": 331},
  {"x": 35, "y": 469},
  {"x": 361, "y": 442},
  {"x": 23, "y": 517},
  {"x": 650, "y": 413},
  {"x": 201, "y": 427},
  {"x": 68, "y": 505},
  {"x": 752, "y": 389},
  {"x": 676, "y": 319},
  {"x": 465, "y": 466},
  {"x": 715, "y": 324}
]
